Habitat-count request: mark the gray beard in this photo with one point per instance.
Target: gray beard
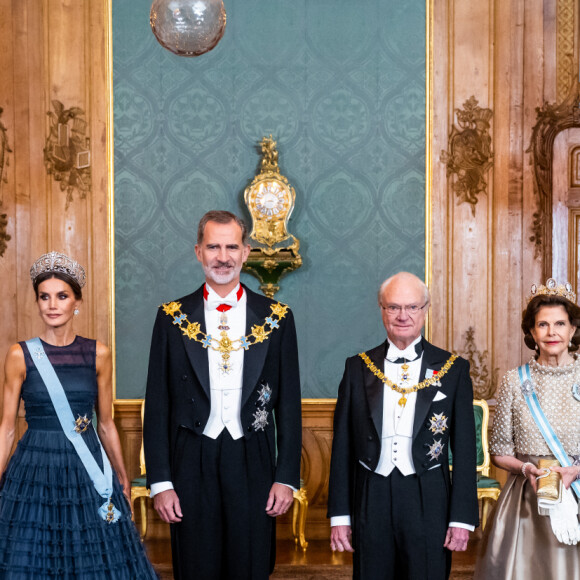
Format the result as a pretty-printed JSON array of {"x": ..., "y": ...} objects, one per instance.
[{"x": 221, "y": 278}]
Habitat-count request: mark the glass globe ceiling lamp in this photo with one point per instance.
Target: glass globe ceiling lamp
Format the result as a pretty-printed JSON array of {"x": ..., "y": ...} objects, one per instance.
[{"x": 188, "y": 27}]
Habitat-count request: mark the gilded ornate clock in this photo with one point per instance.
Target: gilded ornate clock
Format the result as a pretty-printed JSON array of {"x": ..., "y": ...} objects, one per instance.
[{"x": 270, "y": 201}]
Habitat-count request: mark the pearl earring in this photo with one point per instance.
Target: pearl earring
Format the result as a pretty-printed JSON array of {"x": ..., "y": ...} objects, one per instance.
[{"x": 76, "y": 312}]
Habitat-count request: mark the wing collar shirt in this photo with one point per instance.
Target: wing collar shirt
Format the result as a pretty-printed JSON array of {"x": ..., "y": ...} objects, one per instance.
[
  {"x": 225, "y": 388},
  {"x": 397, "y": 430}
]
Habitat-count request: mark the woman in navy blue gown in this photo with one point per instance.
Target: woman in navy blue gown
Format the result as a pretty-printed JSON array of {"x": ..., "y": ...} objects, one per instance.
[{"x": 50, "y": 522}]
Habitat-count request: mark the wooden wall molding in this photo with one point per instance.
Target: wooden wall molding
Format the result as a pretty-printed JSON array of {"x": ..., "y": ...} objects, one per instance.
[{"x": 552, "y": 119}]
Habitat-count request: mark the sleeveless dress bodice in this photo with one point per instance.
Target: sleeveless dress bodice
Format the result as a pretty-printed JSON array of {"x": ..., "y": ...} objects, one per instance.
[{"x": 75, "y": 366}]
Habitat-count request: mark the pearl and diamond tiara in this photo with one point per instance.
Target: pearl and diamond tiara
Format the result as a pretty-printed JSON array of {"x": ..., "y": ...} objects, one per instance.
[{"x": 57, "y": 262}]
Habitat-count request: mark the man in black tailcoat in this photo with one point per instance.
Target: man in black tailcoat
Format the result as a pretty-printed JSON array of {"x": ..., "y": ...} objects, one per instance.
[
  {"x": 401, "y": 406},
  {"x": 222, "y": 427}
]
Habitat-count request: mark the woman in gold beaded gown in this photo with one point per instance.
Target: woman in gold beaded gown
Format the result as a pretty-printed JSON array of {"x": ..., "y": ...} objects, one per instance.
[{"x": 519, "y": 543}]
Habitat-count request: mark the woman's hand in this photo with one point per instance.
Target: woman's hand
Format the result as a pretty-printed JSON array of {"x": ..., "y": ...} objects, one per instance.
[
  {"x": 531, "y": 473},
  {"x": 514, "y": 465},
  {"x": 124, "y": 481},
  {"x": 569, "y": 474}
]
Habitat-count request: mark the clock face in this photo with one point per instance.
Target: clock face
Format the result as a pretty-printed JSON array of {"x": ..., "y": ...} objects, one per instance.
[{"x": 271, "y": 199}]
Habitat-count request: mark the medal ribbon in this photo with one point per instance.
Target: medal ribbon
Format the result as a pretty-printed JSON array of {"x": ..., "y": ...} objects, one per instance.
[
  {"x": 102, "y": 480},
  {"x": 542, "y": 422}
]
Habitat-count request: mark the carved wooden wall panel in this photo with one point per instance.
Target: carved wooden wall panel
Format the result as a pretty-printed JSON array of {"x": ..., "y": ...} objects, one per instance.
[
  {"x": 574, "y": 255},
  {"x": 317, "y": 416},
  {"x": 52, "y": 50},
  {"x": 575, "y": 167},
  {"x": 481, "y": 267},
  {"x": 565, "y": 204}
]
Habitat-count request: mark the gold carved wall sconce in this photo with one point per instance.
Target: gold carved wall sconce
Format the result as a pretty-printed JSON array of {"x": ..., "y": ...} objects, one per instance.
[
  {"x": 67, "y": 154},
  {"x": 469, "y": 156},
  {"x": 270, "y": 201},
  {"x": 4, "y": 151}
]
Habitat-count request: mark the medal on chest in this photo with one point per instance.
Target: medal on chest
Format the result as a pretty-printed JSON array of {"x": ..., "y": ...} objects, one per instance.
[
  {"x": 438, "y": 423},
  {"x": 223, "y": 325}
]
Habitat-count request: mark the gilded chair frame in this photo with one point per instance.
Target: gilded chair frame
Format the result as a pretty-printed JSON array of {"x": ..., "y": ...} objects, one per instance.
[
  {"x": 141, "y": 491},
  {"x": 485, "y": 494}
]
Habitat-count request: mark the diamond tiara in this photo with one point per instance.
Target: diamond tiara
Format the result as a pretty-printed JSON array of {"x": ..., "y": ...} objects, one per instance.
[
  {"x": 57, "y": 262},
  {"x": 552, "y": 288}
]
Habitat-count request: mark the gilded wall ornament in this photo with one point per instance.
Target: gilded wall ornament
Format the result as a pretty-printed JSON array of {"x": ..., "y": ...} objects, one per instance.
[
  {"x": 469, "y": 156},
  {"x": 551, "y": 119},
  {"x": 67, "y": 154},
  {"x": 270, "y": 201},
  {"x": 484, "y": 382},
  {"x": 4, "y": 162}
]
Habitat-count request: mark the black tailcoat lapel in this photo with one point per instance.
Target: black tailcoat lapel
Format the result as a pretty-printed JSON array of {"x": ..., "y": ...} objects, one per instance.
[
  {"x": 433, "y": 358},
  {"x": 255, "y": 356},
  {"x": 192, "y": 306},
  {"x": 375, "y": 388}
]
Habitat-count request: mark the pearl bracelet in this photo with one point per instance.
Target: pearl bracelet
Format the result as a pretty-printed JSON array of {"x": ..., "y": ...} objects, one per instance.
[{"x": 524, "y": 467}]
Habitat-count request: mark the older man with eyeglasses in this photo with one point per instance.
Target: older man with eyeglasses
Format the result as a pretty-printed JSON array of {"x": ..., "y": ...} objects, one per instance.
[{"x": 401, "y": 406}]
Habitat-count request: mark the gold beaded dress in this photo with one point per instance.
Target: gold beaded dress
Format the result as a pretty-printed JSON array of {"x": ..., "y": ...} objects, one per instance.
[{"x": 518, "y": 543}]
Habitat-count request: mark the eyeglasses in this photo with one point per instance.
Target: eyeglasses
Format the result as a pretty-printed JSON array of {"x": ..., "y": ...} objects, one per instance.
[{"x": 396, "y": 309}]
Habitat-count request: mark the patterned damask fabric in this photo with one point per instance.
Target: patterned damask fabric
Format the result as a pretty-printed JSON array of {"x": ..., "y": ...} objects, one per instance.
[{"x": 341, "y": 87}]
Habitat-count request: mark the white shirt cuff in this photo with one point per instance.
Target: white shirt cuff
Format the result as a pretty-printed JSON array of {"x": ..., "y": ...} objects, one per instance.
[
  {"x": 339, "y": 521},
  {"x": 159, "y": 487},
  {"x": 280, "y": 483},
  {"x": 460, "y": 525}
]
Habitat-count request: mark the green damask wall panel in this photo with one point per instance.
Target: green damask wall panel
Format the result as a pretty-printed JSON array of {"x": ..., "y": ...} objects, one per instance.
[{"x": 341, "y": 87}]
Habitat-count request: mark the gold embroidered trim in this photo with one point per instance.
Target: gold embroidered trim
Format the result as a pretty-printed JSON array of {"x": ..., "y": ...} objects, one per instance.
[
  {"x": 225, "y": 345},
  {"x": 405, "y": 391}
]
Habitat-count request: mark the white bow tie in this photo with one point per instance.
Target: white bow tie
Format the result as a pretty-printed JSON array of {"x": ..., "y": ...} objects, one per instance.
[
  {"x": 408, "y": 353},
  {"x": 214, "y": 301}
]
